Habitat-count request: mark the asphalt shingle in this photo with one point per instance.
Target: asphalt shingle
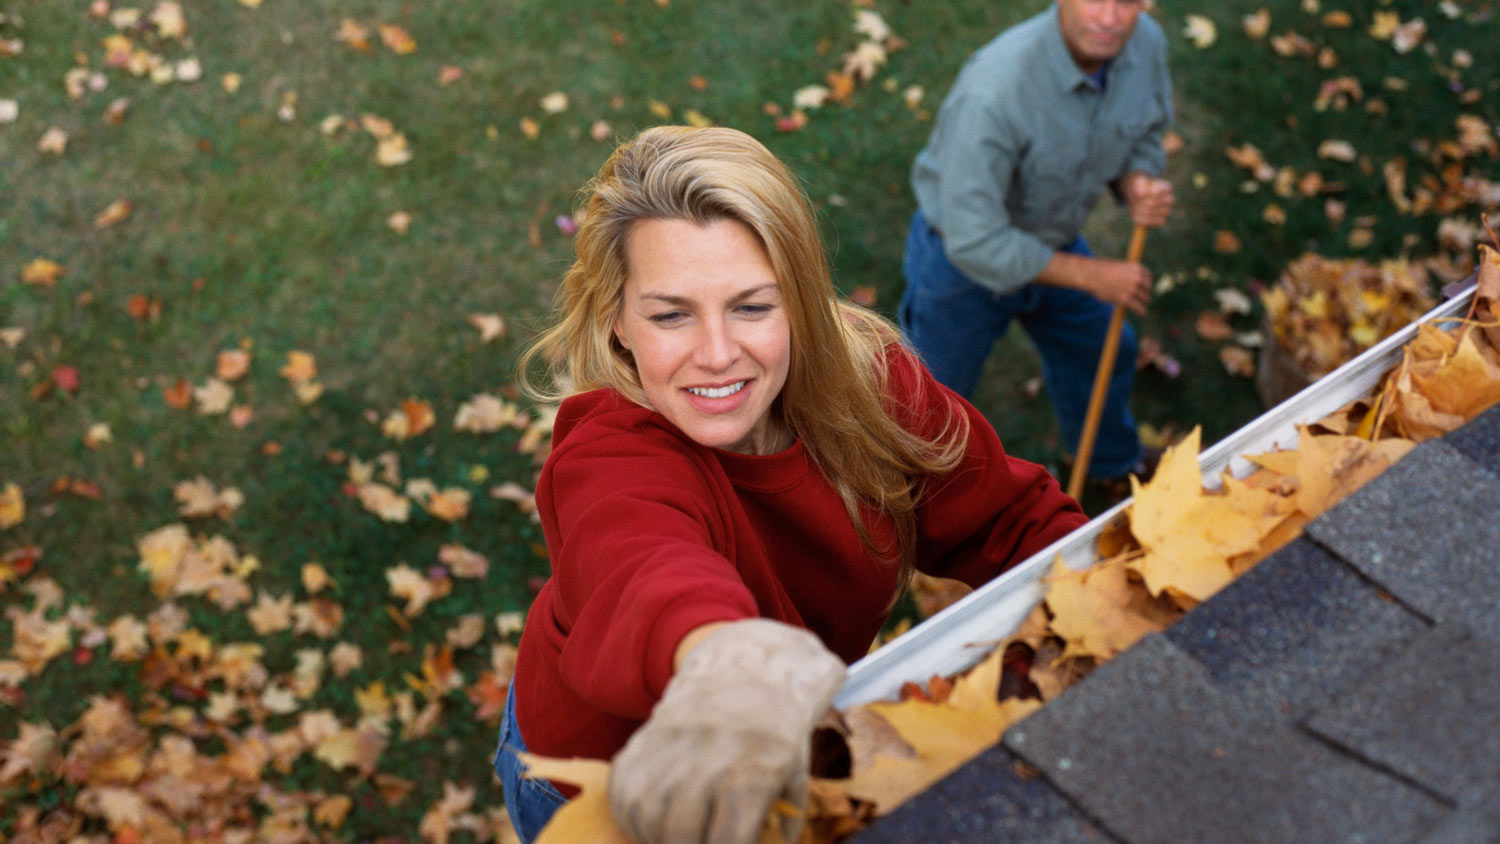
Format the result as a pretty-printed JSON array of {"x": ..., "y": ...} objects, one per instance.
[
  {"x": 1429, "y": 714},
  {"x": 1294, "y": 631},
  {"x": 986, "y": 800},
  {"x": 1479, "y": 440},
  {"x": 1425, "y": 530},
  {"x": 1155, "y": 752}
]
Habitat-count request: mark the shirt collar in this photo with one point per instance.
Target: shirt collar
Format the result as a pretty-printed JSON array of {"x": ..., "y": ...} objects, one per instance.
[{"x": 1065, "y": 72}]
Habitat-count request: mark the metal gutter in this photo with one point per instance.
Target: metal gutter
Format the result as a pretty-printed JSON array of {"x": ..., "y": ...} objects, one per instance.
[{"x": 959, "y": 636}]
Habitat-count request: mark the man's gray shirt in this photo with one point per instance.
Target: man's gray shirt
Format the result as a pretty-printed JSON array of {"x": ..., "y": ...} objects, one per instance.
[{"x": 1025, "y": 142}]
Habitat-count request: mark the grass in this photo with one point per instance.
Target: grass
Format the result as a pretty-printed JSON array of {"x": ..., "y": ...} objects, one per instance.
[{"x": 253, "y": 230}]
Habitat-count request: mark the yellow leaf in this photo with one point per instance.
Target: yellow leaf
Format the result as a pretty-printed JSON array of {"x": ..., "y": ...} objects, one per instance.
[
  {"x": 270, "y": 614},
  {"x": 396, "y": 39},
  {"x": 41, "y": 272},
  {"x": 12, "y": 506},
  {"x": 585, "y": 817},
  {"x": 300, "y": 366},
  {"x": 1091, "y": 609},
  {"x": 117, "y": 212},
  {"x": 231, "y": 364},
  {"x": 315, "y": 578},
  {"x": 331, "y": 811}
]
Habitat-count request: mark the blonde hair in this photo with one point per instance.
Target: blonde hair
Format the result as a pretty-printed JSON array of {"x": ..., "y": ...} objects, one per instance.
[{"x": 834, "y": 393}]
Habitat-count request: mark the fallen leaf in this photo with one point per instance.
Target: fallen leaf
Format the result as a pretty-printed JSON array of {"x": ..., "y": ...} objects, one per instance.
[
  {"x": 1258, "y": 24},
  {"x": 42, "y": 272},
  {"x": 116, "y": 212},
  {"x": 1091, "y": 609},
  {"x": 1200, "y": 31},
  {"x": 396, "y": 39},
  {"x": 491, "y": 326},
  {"x": 12, "y": 506},
  {"x": 1337, "y": 150}
]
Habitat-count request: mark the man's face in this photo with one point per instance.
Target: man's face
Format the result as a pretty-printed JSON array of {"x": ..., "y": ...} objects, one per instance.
[{"x": 1096, "y": 30}]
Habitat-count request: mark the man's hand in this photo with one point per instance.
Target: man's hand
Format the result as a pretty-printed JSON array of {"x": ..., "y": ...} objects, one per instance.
[
  {"x": 1150, "y": 199},
  {"x": 729, "y": 737},
  {"x": 1123, "y": 283}
]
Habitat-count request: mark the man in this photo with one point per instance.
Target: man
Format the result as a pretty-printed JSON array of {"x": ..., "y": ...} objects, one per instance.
[{"x": 1038, "y": 123}]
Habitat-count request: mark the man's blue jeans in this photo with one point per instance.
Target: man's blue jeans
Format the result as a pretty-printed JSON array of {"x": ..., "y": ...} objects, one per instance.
[
  {"x": 953, "y": 322},
  {"x": 530, "y": 803}
]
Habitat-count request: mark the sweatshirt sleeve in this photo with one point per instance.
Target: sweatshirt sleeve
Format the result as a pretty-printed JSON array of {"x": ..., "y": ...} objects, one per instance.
[
  {"x": 990, "y": 512},
  {"x": 632, "y": 528}
]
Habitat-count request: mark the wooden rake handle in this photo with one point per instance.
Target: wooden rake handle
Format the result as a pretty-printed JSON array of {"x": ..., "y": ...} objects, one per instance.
[{"x": 1101, "y": 377}]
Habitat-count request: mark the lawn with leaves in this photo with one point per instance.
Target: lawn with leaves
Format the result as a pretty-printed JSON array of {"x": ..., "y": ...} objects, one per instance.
[{"x": 265, "y": 268}]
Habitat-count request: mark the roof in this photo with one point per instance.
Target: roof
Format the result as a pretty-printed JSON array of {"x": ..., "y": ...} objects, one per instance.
[{"x": 1347, "y": 689}]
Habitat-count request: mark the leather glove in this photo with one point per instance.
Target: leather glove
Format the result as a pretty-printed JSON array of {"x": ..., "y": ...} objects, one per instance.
[{"x": 729, "y": 737}]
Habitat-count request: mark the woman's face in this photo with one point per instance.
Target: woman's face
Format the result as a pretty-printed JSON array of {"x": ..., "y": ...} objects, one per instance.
[{"x": 704, "y": 318}]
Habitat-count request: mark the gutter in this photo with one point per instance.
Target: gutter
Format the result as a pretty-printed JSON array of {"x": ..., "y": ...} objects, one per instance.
[{"x": 961, "y": 635}]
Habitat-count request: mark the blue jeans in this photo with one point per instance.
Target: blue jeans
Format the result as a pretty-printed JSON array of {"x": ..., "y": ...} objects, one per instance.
[
  {"x": 529, "y": 802},
  {"x": 953, "y": 322}
]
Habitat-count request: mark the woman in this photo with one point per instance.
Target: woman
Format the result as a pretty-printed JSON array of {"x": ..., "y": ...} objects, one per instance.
[{"x": 744, "y": 474}]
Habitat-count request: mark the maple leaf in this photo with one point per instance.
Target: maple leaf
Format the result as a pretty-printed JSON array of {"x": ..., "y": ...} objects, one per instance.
[
  {"x": 585, "y": 817},
  {"x": 864, "y": 60},
  {"x": 344, "y": 658},
  {"x": 33, "y": 752},
  {"x": 353, "y": 33},
  {"x": 411, "y": 586},
  {"x": 450, "y": 504},
  {"x": 487, "y": 694},
  {"x": 300, "y": 366},
  {"x": 231, "y": 364},
  {"x": 1200, "y": 31},
  {"x": 12, "y": 506},
  {"x": 484, "y": 414},
  {"x": 1091, "y": 609},
  {"x": 1188, "y": 537},
  {"x": 439, "y": 677},
  {"x": 37, "y": 640},
  {"x": 396, "y": 39},
  {"x": 214, "y": 397},
  {"x": 270, "y": 614},
  {"x": 468, "y": 632},
  {"x": 116, "y": 212},
  {"x": 54, "y": 141},
  {"x": 1337, "y": 150},
  {"x": 384, "y": 502},
  {"x": 200, "y": 499},
  {"x": 320, "y": 617},
  {"x": 944, "y": 735},
  {"x": 1237, "y": 361},
  {"x": 439, "y": 822},
  {"x": 812, "y": 96},
  {"x": 42, "y": 272},
  {"x": 162, "y": 552},
  {"x": 1258, "y": 24},
  {"x": 331, "y": 810}
]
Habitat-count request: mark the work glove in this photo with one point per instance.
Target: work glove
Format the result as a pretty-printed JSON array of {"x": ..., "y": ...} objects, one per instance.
[{"x": 729, "y": 737}]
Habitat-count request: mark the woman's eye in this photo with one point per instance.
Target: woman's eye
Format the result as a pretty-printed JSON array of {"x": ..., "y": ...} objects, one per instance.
[
  {"x": 754, "y": 310},
  {"x": 667, "y": 317}
]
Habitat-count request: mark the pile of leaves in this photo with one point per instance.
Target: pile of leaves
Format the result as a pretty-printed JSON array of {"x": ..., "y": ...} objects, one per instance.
[
  {"x": 1178, "y": 545},
  {"x": 1325, "y": 311}
]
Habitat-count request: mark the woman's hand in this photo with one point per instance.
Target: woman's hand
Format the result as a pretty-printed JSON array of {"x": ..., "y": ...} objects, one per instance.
[{"x": 729, "y": 737}]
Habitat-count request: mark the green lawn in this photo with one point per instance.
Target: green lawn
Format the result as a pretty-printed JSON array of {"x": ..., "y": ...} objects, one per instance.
[{"x": 259, "y": 221}]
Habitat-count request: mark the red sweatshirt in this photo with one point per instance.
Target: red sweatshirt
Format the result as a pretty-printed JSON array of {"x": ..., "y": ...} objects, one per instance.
[{"x": 652, "y": 535}]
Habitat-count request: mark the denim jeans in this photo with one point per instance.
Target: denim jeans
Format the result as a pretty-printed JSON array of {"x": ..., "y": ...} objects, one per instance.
[
  {"x": 529, "y": 802},
  {"x": 953, "y": 322}
]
